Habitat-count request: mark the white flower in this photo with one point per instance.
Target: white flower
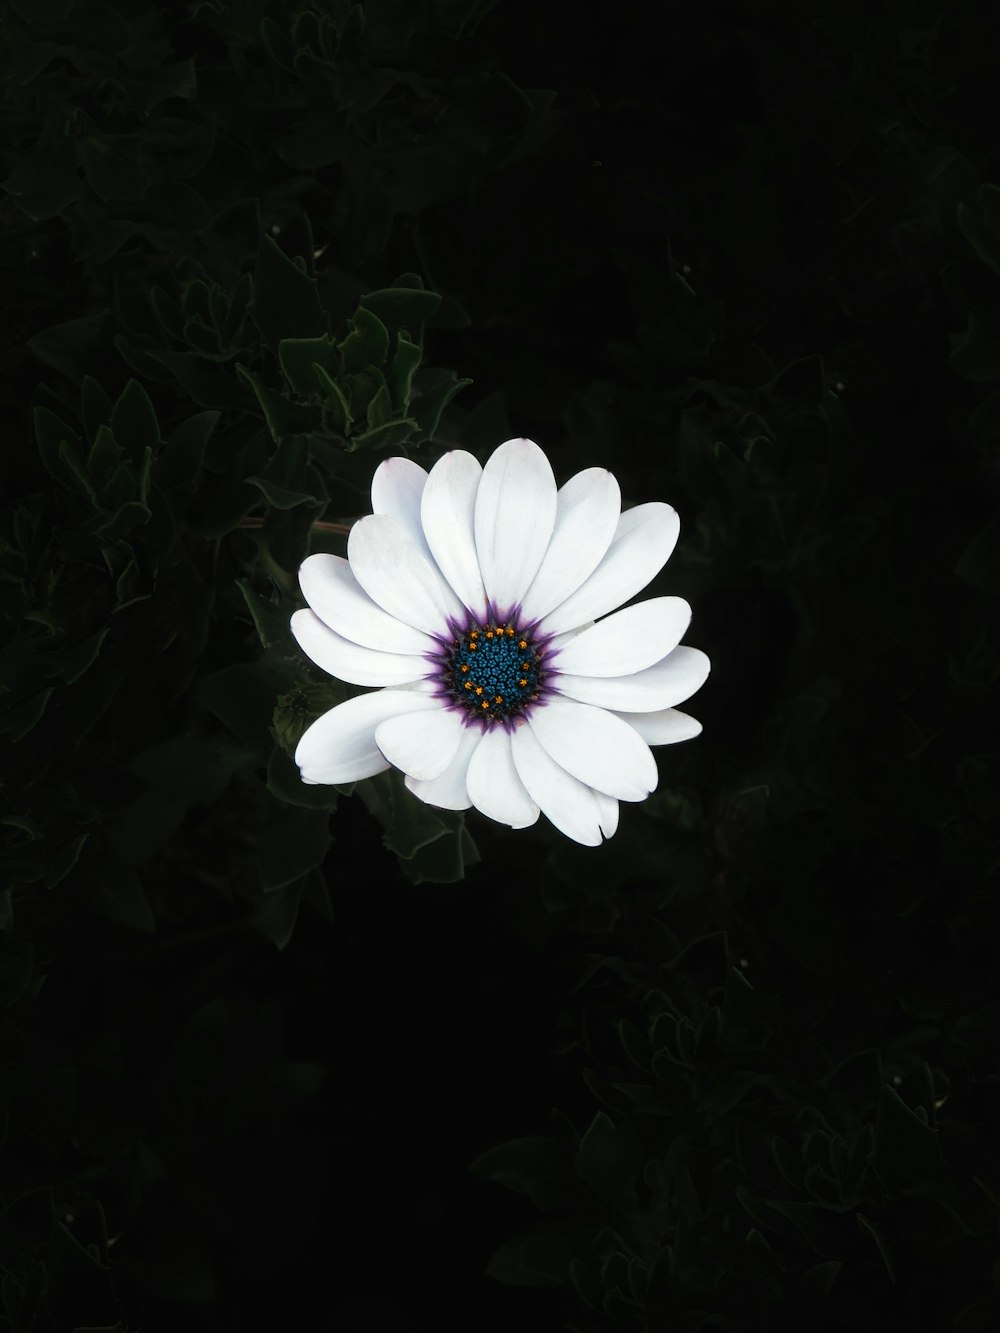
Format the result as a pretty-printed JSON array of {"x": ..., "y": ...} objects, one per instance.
[{"x": 469, "y": 597}]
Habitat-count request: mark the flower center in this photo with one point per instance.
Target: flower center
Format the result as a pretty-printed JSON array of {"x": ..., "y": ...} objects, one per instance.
[{"x": 493, "y": 671}]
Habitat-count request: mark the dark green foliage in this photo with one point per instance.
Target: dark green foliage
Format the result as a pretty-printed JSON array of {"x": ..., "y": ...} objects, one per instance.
[{"x": 254, "y": 1030}]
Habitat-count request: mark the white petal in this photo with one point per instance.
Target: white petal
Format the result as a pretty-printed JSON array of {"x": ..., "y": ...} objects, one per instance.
[
  {"x": 641, "y": 546},
  {"x": 350, "y": 661},
  {"x": 331, "y": 589},
  {"x": 394, "y": 573},
  {"x": 515, "y": 512},
  {"x": 608, "y": 807},
  {"x": 340, "y": 745},
  {"x": 570, "y": 805},
  {"x": 596, "y": 747},
  {"x": 676, "y": 678},
  {"x": 449, "y": 791},
  {"x": 587, "y": 511},
  {"x": 494, "y": 787},
  {"x": 397, "y": 487},
  {"x": 447, "y": 511},
  {"x": 664, "y": 727},
  {"x": 421, "y": 744},
  {"x": 628, "y": 641}
]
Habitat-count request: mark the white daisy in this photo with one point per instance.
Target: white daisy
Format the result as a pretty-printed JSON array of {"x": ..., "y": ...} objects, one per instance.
[{"x": 469, "y": 597}]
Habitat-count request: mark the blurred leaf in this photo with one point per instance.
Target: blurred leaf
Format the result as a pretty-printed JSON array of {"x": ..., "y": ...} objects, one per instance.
[
  {"x": 609, "y": 1160},
  {"x": 275, "y": 915},
  {"x": 979, "y": 222},
  {"x": 534, "y": 1166},
  {"x": 979, "y": 563},
  {"x": 114, "y": 891},
  {"x": 538, "y": 1260},
  {"x": 871, "y": 1229},
  {"x": 292, "y": 841},
  {"x": 400, "y": 308},
  {"x": 975, "y": 354}
]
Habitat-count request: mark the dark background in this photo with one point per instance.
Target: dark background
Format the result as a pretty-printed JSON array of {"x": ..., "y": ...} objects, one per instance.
[{"x": 266, "y": 1050}]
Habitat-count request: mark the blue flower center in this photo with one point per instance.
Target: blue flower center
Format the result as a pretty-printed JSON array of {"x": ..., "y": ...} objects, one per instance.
[{"x": 493, "y": 671}]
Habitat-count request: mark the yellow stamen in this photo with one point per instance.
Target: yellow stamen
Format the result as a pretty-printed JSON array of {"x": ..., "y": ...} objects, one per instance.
[
  {"x": 523, "y": 680},
  {"x": 522, "y": 644},
  {"x": 509, "y": 632},
  {"x": 468, "y": 684},
  {"x": 465, "y": 667},
  {"x": 486, "y": 703},
  {"x": 498, "y": 698},
  {"x": 479, "y": 689}
]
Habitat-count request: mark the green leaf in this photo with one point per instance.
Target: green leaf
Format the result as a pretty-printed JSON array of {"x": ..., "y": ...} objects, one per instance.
[
  {"x": 401, "y": 307},
  {"x": 399, "y": 376},
  {"x": 181, "y": 457},
  {"x": 270, "y": 620},
  {"x": 286, "y": 301},
  {"x": 284, "y": 482},
  {"x": 292, "y": 842},
  {"x": 384, "y": 437},
  {"x": 366, "y": 345},
  {"x": 202, "y": 380},
  {"x": 301, "y": 357},
  {"x": 337, "y": 412},
  {"x": 433, "y": 398},
  {"x": 379, "y": 409},
  {"x": 283, "y": 417},
  {"x": 407, "y": 822}
]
